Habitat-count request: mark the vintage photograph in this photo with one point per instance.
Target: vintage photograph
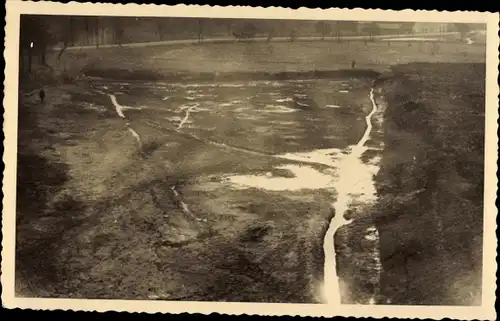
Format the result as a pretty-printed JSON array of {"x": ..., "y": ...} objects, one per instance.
[{"x": 251, "y": 160}]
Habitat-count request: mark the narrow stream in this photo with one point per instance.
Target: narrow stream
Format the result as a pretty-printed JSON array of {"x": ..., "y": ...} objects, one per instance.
[
  {"x": 186, "y": 117},
  {"x": 118, "y": 107},
  {"x": 119, "y": 110},
  {"x": 353, "y": 181}
]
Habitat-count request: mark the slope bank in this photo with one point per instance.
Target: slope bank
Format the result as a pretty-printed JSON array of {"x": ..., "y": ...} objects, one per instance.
[
  {"x": 430, "y": 185},
  {"x": 114, "y": 74}
]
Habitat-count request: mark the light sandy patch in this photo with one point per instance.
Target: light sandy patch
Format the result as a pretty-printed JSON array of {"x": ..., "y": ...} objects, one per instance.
[
  {"x": 241, "y": 109},
  {"x": 292, "y": 136},
  {"x": 302, "y": 104},
  {"x": 412, "y": 39},
  {"x": 283, "y": 100},
  {"x": 249, "y": 117},
  {"x": 327, "y": 157},
  {"x": 278, "y": 109},
  {"x": 282, "y": 122},
  {"x": 94, "y": 107},
  {"x": 305, "y": 178}
]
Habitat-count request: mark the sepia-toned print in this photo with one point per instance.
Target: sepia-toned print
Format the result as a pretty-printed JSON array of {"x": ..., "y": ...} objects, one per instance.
[{"x": 291, "y": 162}]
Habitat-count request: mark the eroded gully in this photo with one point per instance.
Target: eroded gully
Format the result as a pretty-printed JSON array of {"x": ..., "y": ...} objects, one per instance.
[{"x": 354, "y": 180}]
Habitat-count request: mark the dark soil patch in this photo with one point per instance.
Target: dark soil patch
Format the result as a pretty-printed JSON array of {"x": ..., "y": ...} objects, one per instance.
[
  {"x": 147, "y": 75},
  {"x": 429, "y": 138}
]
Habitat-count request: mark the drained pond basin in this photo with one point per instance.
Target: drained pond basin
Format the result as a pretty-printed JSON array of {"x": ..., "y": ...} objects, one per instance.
[{"x": 228, "y": 191}]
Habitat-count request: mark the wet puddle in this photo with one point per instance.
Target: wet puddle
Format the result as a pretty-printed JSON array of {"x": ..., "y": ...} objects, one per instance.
[{"x": 303, "y": 177}]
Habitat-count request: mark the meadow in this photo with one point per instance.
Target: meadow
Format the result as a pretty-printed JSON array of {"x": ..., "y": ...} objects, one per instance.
[{"x": 158, "y": 62}]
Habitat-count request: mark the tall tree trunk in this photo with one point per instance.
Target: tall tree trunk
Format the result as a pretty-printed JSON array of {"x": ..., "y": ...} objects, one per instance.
[
  {"x": 71, "y": 32},
  {"x": 96, "y": 26},
  {"x": 200, "y": 31},
  {"x": 21, "y": 60},
  {"x": 338, "y": 32},
  {"x": 160, "y": 31},
  {"x": 43, "y": 54},
  {"x": 29, "y": 60},
  {"x": 65, "y": 45},
  {"x": 87, "y": 31}
]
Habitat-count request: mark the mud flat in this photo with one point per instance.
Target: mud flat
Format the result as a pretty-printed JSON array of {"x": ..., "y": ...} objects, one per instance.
[
  {"x": 184, "y": 215},
  {"x": 190, "y": 77}
]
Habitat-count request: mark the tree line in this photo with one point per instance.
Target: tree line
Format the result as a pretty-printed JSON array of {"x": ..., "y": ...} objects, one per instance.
[{"x": 39, "y": 33}]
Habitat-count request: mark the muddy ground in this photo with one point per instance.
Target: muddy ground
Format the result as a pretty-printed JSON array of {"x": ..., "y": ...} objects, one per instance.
[{"x": 97, "y": 218}]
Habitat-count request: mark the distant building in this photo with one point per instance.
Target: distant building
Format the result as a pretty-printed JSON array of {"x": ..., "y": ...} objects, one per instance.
[{"x": 431, "y": 27}]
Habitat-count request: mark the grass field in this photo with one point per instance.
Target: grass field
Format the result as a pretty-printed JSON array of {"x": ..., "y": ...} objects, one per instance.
[
  {"x": 95, "y": 215},
  {"x": 155, "y": 62}
]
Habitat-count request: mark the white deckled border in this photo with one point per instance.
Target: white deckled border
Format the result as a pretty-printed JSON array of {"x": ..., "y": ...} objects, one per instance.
[{"x": 15, "y": 7}]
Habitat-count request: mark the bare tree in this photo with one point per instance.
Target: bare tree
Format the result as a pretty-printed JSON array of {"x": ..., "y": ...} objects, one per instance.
[
  {"x": 96, "y": 31},
  {"x": 87, "y": 30},
  {"x": 346, "y": 26},
  {"x": 407, "y": 27},
  {"x": 119, "y": 30},
  {"x": 435, "y": 48},
  {"x": 248, "y": 31},
  {"x": 35, "y": 38},
  {"x": 463, "y": 29},
  {"x": 225, "y": 23},
  {"x": 270, "y": 33},
  {"x": 323, "y": 28},
  {"x": 349, "y": 26},
  {"x": 293, "y": 35},
  {"x": 371, "y": 30},
  {"x": 229, "y": 26},
  {"x": 200, "y": 30},
  {"x": 160, "y": 29},
  {"x": 338, "y": 30},
  {"x": 67, "y": 34}
]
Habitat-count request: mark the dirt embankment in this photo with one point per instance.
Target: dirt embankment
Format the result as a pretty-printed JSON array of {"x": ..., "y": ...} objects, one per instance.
[
  {"x": 430, "y": 185},
  {"x": 147, "y": 75}
]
